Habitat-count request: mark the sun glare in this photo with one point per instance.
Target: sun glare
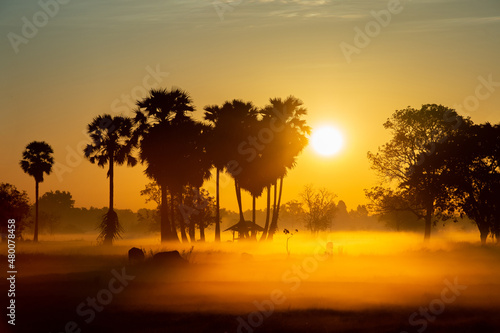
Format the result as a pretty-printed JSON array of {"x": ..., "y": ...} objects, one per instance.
[{"x": 326, "y": 140}]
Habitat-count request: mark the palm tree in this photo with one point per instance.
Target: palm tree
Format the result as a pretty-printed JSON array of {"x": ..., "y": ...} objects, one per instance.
[
  {"x": 111, "y": 144},
  {"x": 229, "y": 126},
  {"x": 215, "y": 144},
  {"x": 37, "y": 160},
  {"x": 172, "y": 146},
  {"x": 287, "y": 144},
  {"x": 254, "y": 178}
]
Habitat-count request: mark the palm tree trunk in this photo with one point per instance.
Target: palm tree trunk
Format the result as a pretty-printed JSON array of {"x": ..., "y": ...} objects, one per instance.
[
  {"x": 268, "y": 210},
  {"x": 111, "y": 173},
  {"x": 254, "y": 232},
  {"x": 35, "y": 237},
  {"x": 165, "y": 228},
  {"x": 274, "y": 222},
  {"x": 238, "y": 197},
  {"x": 217, "y": 207}
]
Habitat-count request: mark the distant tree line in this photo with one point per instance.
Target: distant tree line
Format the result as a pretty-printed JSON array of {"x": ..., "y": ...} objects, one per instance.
[{"x": 437, "y": 166}]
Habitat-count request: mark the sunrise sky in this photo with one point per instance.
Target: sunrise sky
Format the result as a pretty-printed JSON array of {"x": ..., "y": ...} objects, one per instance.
[{"x": 87, "y": 58}]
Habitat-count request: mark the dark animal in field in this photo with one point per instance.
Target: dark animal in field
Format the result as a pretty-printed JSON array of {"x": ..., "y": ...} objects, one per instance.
[
  {"x": 135, "y": 255},
  {"x": 169, "y": 257}
]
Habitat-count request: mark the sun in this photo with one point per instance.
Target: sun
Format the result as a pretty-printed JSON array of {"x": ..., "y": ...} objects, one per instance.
[{"x": 326, "y": 140}]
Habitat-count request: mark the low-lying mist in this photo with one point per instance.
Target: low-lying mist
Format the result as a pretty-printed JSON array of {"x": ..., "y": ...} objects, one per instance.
[{"x": 359, "y": 270}]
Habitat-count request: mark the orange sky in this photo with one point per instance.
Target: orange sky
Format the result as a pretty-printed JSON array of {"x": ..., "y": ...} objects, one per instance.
[{"x": 89, "y": 57}]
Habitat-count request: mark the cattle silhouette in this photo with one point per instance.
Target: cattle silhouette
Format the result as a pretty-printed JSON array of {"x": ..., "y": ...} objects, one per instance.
[
  {"x": 169, "y": 257},
  {"x": 135, "y": 255}
]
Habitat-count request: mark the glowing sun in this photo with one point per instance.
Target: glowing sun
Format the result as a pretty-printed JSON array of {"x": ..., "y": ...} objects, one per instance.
[{"x": 326, "y": 140}]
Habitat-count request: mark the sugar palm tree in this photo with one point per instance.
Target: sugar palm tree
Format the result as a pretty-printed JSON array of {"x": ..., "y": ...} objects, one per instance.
[
  {"x": 37, "y": 161},
  {"x": 172, "y": 146},
  {"x": 288, "y": 143},
  {"x": 111, "y": 144}
]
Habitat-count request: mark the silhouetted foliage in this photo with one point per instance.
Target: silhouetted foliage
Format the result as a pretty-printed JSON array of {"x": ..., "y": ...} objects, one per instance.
[
  {"x": 197, "y": 210},
  {"x": 37, "y": 160},
  {"x": 172, "y": 146},
  {"x": 110, "y": 228},
  {"x": 470, "y": 164},
  {"x": 231, "y": 126},
  {"x": 53, "y": 205},
  {"x": 282, "y": 118},
  {"x": 415, "y": 134},
  {"x": 111, "y": 144},
  {"x": 319, "y": 208},
  {"x": 14, "y": 204}
]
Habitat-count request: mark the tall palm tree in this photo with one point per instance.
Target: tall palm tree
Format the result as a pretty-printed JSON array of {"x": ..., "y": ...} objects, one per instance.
[
  {"x": 230, "y": 125},
  {"x": 288, "y": 143},
  {"x": 37, "y": 160},
  {"x": 215, "y": 143},
  {"x": 172, "y": 146},
  {"x": 111, "y": 144},
  {"x": 217, "y": 148},
  {"x": 254, "y": 179}
]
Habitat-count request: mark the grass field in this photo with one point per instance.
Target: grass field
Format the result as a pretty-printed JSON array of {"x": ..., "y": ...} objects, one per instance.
[{"x": 371, "y": 282}]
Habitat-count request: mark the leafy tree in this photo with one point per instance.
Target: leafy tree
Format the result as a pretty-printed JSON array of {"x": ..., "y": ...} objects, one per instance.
[
  {"x": 197, "y": 210},
  {"x": 111, "y": 144},
  {"x": 152, "y": 192},
  {"x": 319, "y": 208},
  {"x": 57, "y": 201},
  {"x": 470, "y": 164},
  {"x": 37, "y": 160},
  {"x": 415, "y": 134},
  {"x": 13, "y": 205},
  {"x": 53, "y": 205}
]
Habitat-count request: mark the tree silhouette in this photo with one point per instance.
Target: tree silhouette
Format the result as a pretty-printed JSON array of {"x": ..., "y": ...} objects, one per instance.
[
  {"x": 319, "y": 208},
  {"x": 111, "y": 144},
  {"x": 254, "y": 179},
  {"x": 290, "y": 138},
  {"x": 231, "y": 125},
  {"x": 415, "y": 134},
  {"x": 53, "y": 205},
  {"x": 470, "y": 164},
  {"x": 37, "y": 161},
  {"x": 14, "y": 204},
  {"x": 217, "y": 150},
  {"x": 172, "y": 146}
]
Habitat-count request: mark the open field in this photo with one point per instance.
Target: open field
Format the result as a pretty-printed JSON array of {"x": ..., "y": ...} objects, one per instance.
[{"x": 372, "y": 282}]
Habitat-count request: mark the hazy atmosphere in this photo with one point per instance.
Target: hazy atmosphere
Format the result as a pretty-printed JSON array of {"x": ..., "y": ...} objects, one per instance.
[{"x": 250, "y": 166}]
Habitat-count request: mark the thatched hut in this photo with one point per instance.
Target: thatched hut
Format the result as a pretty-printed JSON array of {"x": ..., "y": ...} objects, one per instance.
[{"x": 244, "y": 229}]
